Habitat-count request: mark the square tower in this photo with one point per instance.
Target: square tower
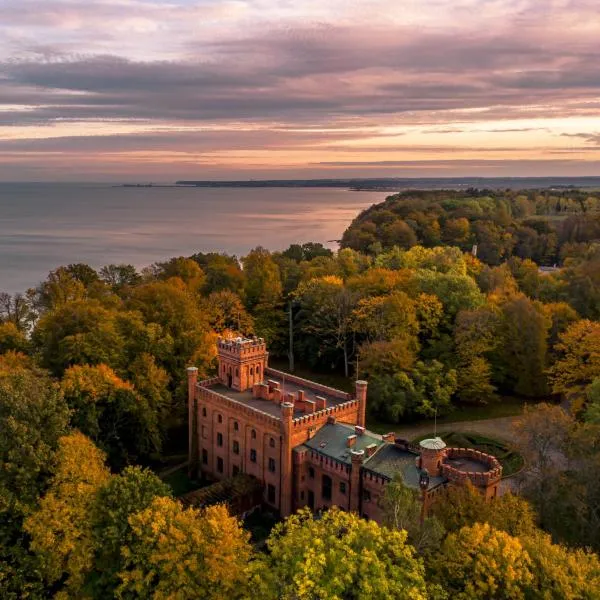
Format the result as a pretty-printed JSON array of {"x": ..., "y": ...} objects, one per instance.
[{"x": 242, "y": 362}]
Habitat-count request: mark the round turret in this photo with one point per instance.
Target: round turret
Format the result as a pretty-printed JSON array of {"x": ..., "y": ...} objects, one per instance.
[{"x": 433, "y": 451}]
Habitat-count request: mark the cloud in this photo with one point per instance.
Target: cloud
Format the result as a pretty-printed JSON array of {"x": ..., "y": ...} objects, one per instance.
[{"x": 268, "y": 66}]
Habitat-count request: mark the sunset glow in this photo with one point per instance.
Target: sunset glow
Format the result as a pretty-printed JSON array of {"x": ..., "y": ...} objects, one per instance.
[{"x": 218, "y": 89}]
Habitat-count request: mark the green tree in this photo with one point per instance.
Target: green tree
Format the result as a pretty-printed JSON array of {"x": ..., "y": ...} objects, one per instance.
[
  {"x": 338, "y": 556},
  {"x": 263, "y": 281},
  {"x": 402, "y": 511},
  {"x": 180, "y": 554},
  {"x": 120, "y": 276},
  {"x": 78, "y": 332},
  {"x": 125, "y": 494},
  {"x": 11, "y": 338},
  {"x": 521, "y": 356},
  {"x": 227, "y": 313},
  {"x": 33, "y": 416},
  {"x": 113, "y": 413}
]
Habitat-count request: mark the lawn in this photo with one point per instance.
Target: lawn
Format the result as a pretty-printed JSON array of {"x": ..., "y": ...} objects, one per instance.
[{"x": 510, "y": 460}]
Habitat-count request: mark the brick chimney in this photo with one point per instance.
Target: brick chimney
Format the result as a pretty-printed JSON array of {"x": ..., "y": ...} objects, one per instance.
[
  {"x": 359, "y": 430},
  {"x": 351, "y": 441}
]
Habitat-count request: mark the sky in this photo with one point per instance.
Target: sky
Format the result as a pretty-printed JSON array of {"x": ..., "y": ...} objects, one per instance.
[{"x": 149, "y": 90}]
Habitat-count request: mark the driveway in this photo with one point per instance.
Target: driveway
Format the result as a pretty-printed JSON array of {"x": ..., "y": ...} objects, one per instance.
[{"x": 500, "y": 429}]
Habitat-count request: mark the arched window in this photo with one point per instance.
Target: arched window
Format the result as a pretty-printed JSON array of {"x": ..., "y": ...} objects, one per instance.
[
  {"x": 236, "y": 426},
  {"x": 204, "y": 411},
  {"x": 237, "y": 372},
  {"x": 272, "y": 442},
  {"x": 253, "y": 434},
  {"x": 251, "y": 370},
  {"x": 220, "y": 418}
]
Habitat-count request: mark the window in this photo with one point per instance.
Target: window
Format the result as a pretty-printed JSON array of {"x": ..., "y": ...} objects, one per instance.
[
  {"x": 272, "y": 442},
  {"x": 252, "y": 455},
  {"x": 326, "y": 485},
  {"x": 236, "y": 447},
  {"x": 204, "y": 456},
  {"x": 271, "y": 494},
  {"x": 220, "y": 464},
  {"x": 204, "y": 432},
  {"x": 342, "y": 487},
  {"x": 235, "y": 471},
  {"x": 219, "y": 439},
  {"x": 253, "y": 434},
  {"x": 237, "y": 372},
  {"x": 251, "y": 371},
  {"x": 367, "y": 496},
  {"x": 311, "y": 472},
  {"x": 204, "y": 411},
  {"x": 220, "y": 418},
  {"x": 272, "y": 465},
  {"x": 236, "y": 426}
]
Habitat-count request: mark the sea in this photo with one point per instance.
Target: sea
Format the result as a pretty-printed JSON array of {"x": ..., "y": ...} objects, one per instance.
[{"x": 46, "y": 225}]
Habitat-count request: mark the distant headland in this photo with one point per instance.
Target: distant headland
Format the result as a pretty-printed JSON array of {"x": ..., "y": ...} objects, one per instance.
[{"x": 394, "y": 183}]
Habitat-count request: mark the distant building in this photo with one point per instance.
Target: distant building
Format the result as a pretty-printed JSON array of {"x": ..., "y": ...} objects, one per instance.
[{"x": 307, "y": 443}]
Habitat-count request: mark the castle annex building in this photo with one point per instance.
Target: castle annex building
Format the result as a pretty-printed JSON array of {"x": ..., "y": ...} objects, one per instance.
[{"x": 307, "y": 443}]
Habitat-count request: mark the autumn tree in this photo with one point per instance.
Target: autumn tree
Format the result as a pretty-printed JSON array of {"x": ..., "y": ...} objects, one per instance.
[
  {"x": 33, "y": 416},
  {"x": 325, "y": 319},
  {"x": 263, "y": 283},
  {"x": 78, "y": 332},
  {"x": 228, "y": 313},
  {"x": 521, "y": 355},
  {"x": 338, "y": 555},
  {"x": 578, "y": 361},
  {"x": 184, "y": 553},
  {"x": 542, "y": 433},
  {"x": 120, "y": 276},
  {"x": 130, "y": 492},
  {"x": 60, "y": 528},
  {"x": 480, "y": 562},
  {"x": 463, "y": 505},
  {"x": 402, "y": 509},
  {"x": 11, "y": 338},
  {"x": 113, "y": 413},
  {"x": 474, "y": 340}
]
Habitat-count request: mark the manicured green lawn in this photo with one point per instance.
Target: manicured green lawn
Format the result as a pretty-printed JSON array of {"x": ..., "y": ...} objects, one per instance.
[{"x": 510, "y": 460}]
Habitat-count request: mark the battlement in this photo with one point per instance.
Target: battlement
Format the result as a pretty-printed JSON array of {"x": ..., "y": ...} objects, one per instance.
[
  {"x": 242, "y": 347},
  {"x": 462, "y": 464}
]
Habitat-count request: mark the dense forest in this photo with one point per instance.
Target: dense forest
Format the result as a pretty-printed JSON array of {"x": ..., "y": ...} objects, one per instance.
[{"x": 92, "y": 393}]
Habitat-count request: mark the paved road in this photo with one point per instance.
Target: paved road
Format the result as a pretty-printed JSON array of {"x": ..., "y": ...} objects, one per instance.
[{"x": 500, "y": 428}]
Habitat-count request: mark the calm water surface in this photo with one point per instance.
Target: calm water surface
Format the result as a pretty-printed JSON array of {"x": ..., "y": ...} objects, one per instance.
[{"x": 43, "y": 226}]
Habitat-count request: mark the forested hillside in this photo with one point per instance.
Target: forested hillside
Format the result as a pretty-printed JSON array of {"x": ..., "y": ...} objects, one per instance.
[{"x": 92, "y": 389}]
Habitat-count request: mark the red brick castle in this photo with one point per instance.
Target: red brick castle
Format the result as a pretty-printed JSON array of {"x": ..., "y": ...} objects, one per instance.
[{"x": 307, "y": 443}]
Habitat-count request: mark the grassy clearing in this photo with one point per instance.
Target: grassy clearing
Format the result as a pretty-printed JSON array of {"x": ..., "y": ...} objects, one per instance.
[{"x": 510, "y": 460}]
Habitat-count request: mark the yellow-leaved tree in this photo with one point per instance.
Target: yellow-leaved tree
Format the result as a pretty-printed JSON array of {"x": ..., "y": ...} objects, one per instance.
[
  {"x": 481, "y": 562},
  {"x": 338, "y": 555},
  {"x": 178, "y": 554},
  {"x": 60, "y": 529}
]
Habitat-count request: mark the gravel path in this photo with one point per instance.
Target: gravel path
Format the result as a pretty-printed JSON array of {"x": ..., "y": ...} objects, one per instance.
[{"x": 500, "y": 428}]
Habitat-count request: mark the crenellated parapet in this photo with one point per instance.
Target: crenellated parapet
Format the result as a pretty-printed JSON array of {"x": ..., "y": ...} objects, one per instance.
[
  {"x": 310, "y": 385},
  {"x": 478, "y": 478},
  {"x": 240, "y": 408},
  {"x": 242, "y": 347},
  {"x": 320, "y": 417}
]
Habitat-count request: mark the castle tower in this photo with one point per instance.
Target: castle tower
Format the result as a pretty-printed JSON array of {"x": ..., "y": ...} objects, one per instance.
[
  {"x": 242, "y": 362},
  {"x": 432, "y": 453}
]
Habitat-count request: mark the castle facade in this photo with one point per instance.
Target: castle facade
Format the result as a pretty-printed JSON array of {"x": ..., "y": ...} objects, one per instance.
[{"x": 307, "y": 443}]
